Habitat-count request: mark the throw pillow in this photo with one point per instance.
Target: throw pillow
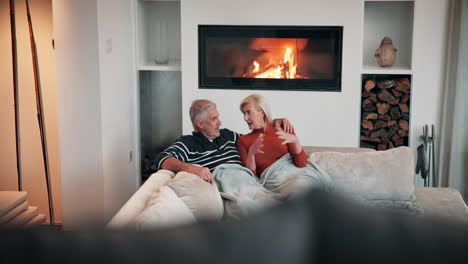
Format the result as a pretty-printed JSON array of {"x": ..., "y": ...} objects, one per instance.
[{"x": 371, "y": 176}]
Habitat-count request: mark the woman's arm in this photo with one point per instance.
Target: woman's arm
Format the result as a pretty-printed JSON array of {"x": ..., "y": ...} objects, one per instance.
[
  {"x": 294, "y": 147},
  {"x": 248, "y": 155}
]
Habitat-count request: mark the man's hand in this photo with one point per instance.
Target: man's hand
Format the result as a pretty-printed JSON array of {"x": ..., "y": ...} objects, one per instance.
[
  {"x": 288, "y": 138},
  {"x": 257, "y": 145},
  {"x": 202, "y": 172},
  {"x": 283, "y": 124}
]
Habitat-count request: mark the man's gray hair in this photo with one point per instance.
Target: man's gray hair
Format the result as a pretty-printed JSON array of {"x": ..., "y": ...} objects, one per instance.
[{"x": 198, "y": 110}]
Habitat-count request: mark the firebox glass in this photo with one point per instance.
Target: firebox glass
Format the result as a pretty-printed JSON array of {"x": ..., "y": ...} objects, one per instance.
[{"x": 270, "y": 57}]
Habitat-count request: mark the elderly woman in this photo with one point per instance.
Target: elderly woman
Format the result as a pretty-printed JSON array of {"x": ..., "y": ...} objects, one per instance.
[
  {"x": 275, "y": 156},
  {"x": 266, "y": 143}
]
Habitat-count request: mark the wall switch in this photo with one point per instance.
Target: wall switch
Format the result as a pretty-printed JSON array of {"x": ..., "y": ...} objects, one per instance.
[{"x": 109, "y": 45}]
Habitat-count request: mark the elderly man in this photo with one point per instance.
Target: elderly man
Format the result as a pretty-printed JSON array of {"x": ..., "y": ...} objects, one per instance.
[{"x": 207, "y": 147}]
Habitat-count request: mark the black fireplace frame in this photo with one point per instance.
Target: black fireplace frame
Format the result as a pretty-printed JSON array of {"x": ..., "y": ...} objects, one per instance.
[{"x": 205, "y": 82}]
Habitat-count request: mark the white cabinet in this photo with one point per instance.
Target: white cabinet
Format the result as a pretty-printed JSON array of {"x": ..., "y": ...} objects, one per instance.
[{"x": 159, "y": 85}]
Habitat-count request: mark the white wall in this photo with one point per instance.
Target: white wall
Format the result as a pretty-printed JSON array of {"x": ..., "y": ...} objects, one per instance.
[
  {"x": 117, "y": 79},
  {"x": 96, "y": 95},
  {"x": 429, "y": 54},
  {"x": 32, "y": 165},
  {"x": 320, "y": 118},
  {"x": 79, "y": 108}
]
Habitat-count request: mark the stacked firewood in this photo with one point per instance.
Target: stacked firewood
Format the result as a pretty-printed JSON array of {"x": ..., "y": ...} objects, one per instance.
[{"x": 385, "y": 113}]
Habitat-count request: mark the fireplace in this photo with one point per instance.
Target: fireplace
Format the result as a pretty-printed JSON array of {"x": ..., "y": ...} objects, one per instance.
[{"x": 300, "y": 58}]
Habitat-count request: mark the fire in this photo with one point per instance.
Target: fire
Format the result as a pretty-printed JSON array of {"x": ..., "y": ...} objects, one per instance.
[{"x": 285, "y": 69}]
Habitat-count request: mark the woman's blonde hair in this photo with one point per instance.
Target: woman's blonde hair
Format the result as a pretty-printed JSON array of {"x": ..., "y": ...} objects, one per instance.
[{"x": 260, "y": 103}]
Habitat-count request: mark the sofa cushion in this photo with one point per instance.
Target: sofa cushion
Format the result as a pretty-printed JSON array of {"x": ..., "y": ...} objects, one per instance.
[
  {"x": 203, "y": 199},
  {"x": 163, "y": 209},
  {"x": 379, "y": 176}
]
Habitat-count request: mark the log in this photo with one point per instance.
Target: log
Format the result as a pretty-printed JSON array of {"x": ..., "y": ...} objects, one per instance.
[
  {"x": 395, "y": 102},
  {"x": 405, "y": 116},
  {"x": 392, "y": 123},
  {"x": 402, "y": 88},
  {"x": 403, "y": 124},
  {"x": 395, "y": 113},
  {"x": 382, "y": 147},
  {"x": 380, "y": 124},
  {"x": 369, "y": 107},
  {"x": 390, "y": 145},
  {"x": 392, "y": 131},
  {"x": 382, "y": 108},
  {"x": 397, "y": 93},
  {"x": 370, "y": 84},
  {"x": 365, "y": 132},
  {"x": 400, "y": 142},
  {"x": 395, "y": 138},
  {"x": 405, "y": 99},
  {"x": 366, "y": 94},
  {"x": 373, "y": 98},
  {"x": 255, "y": 74},
  {"x": 385, "y": 117},
  {"x": 379, "y": 133},
  {"x": 402, "y": 132},
  {"x": 405, "y": 82},
  {"x": 369, "y": 116},
  {"x": 385, "y": 96},
  {"x": 368, "y": 124},
  {"x": 375, "y": 140},
  {"x": 404, "y": 108}
]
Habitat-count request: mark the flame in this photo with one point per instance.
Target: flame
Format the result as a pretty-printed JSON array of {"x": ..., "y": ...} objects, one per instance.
[
  {"x": 256, "y": 66},
  {"x": 282, "y": 70}
]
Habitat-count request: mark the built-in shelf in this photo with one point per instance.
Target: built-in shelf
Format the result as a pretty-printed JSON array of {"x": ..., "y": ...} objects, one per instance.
[
  {"x": 173, "y": 65},
  {"x": 392, "y": 19},
  {"x": 150, "y": 14},
  {"x": 158, "y": 28},
  {"x": 365, "y": 0},
  {"x": 394, "y": 70}
]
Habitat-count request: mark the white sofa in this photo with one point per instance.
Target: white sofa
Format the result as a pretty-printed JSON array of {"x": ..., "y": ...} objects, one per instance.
[{"x": 167, "y": 199}]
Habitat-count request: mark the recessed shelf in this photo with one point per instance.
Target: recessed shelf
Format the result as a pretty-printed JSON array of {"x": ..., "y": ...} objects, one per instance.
[
  {"x": 397, "y": 69},
  {"x": 392, "y": 19},
  {"x": 149, "y": 14},
  {"x": 173, "y": 65},
  {"x": 365, "y": 0}
]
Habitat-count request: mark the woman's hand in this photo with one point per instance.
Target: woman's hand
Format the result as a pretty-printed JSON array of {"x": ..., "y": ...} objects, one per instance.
[
  {"x": 287, "y": 137},
  {"x": 257, "y": 145}
]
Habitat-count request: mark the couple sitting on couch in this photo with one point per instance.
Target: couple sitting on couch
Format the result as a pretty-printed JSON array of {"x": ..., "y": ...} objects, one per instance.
[{"x": 274, "y": 163}]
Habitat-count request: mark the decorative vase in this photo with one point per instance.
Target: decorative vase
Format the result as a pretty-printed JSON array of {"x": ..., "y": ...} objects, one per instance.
[
  {"x": 386, "y": 53},
  {"x": 159, "y": 42}
]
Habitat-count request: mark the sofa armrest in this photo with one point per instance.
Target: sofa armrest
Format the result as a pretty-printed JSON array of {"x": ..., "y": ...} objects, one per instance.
[
  {"x": 138, "y": 201},
  {"x": 442, "y": 203}
]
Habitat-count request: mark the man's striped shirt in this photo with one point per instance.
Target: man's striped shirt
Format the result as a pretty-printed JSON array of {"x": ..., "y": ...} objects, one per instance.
[{"x": 197, "y": 149}]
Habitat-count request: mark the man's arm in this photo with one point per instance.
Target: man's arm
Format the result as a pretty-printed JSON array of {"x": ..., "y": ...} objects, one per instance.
[{"x": 176, "y": 165}]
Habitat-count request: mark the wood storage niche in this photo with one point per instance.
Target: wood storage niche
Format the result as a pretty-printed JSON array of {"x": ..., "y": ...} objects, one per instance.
[{"x": 385, "y": 111}]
